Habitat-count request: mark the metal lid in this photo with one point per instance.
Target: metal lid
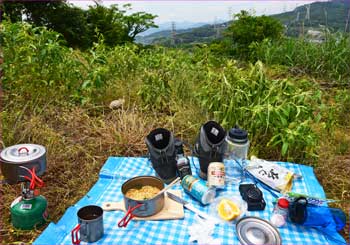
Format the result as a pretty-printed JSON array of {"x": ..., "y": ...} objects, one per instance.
[
  {"x": 253, "y": 230},
  {"x": 22, "y": 153}
]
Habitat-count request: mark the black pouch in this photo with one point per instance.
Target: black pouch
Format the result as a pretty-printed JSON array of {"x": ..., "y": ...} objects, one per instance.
[
  {"x": 253, "y": 196},
  {"x": 298, "y": 210}
]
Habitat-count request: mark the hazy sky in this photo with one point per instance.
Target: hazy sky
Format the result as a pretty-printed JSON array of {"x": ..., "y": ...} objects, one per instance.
[{"x": 200, "y": 11}]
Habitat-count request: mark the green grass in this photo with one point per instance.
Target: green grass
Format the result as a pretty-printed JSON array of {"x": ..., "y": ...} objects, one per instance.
[
  {"x": 58, "y": 97},
  {"x": 40, "y": 71},
  {"x": 329, "y": 60}
]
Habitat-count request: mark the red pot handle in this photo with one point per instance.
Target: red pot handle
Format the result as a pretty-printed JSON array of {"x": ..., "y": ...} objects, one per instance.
[
  {"x": 128, "y": 216},
  {"x": 23, "y": 148},
  {"x": 75, "y": 231}
]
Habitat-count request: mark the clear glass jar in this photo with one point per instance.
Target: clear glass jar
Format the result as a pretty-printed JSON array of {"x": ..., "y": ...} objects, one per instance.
[{"x": 280, "y": 213}]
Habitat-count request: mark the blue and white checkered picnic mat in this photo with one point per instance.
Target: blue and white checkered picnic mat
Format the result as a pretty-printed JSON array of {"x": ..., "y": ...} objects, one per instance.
[{"x": 119, "y": 169}]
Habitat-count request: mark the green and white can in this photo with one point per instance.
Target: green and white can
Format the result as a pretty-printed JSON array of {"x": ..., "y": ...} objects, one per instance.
[{"x": 198, "y": 189}]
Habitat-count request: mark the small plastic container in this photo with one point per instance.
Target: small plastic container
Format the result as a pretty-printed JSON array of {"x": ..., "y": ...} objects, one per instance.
[{"x": 280, "y": 213}]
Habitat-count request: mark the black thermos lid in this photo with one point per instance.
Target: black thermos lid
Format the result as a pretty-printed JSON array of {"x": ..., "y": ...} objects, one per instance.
[
  {"x": 238, "y": 135},
  {"x": 178, "y": 147}
]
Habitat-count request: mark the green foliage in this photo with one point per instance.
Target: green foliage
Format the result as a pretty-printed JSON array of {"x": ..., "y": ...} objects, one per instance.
[
  {"x": 279, "y": 114},
  {"x": 164, "y": 82},
  {"x": 247, "y": 29},
  {"x": 42, "y": 70},
  {"x": 81, "y": 28},
  {"x": 342, "y": 105},
  {"x": 115, "y": 25},
  {"x": 329, "y": 59},
  {"x": 275, "y": 109},
  {"x": 329, "y": 14},
  {"x": 66, "y": 19}
]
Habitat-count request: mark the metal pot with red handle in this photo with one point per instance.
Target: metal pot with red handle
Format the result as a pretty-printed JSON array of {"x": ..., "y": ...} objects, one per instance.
[
  {"x": 16, "y": 160},
  {"x": 141, "y": 208}
]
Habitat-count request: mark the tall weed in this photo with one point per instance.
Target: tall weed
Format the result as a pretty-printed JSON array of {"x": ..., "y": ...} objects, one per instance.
[
  {"x": 277, "y": 110},
  {"x": 279, "y": 114},
  {"x": 329, "y": 59}
]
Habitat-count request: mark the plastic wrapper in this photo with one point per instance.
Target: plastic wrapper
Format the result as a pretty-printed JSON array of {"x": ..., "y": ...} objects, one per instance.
[
  {"x": 271, "y": 174},
  {"x": 241, "y": 204}
]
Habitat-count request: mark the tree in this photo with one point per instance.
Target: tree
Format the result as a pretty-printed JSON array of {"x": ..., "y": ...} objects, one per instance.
[
  {"x": 115, "y": 25},
  {"x": 248, "y": 29},
  {"x": 106, "y": 21},
  {"x": 81, "y": 27},
  {"x": 137, "y": 23},
  {"x": 59, "y": 16}
]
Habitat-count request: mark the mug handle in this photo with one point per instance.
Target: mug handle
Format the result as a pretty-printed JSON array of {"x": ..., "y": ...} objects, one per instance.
[
  {"x": 128, "y": 216},
  {"x": 75, "y": 231}
]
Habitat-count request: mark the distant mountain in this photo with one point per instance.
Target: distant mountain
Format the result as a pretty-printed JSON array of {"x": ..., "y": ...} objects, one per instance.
[
  {"x": 164, "y": 30},
  {"x": 332, "y": 14},
  {"x": 168, "y": 26}
]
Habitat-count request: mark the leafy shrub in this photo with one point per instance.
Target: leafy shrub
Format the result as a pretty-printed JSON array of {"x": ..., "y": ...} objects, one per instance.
[
  {"x": 278, "y": 114},
  {"x": 36, "y": 62},
  {"x": 247, "y": 29},
  {"x": 81, "y": 28},
  {"x": 330, "y": 59},
  {"x": 277, "y": 110}
]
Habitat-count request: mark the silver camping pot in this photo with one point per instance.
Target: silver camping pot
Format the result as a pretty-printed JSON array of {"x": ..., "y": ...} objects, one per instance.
[
  {"x": 141, "y": 208},
  {"x": 16, "y": 159}
]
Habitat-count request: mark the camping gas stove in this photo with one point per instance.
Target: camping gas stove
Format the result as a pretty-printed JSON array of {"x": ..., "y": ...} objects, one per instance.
[{"x": 23, "y": 164}]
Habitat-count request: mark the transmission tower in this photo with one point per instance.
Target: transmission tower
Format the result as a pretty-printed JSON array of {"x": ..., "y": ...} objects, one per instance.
[
  {"x": 230, "y": 14},
  {"x": 347, "y": 22},
  {"x": 216, "y": 28},
  {"x": 307, "y": 15},
  {"x": 326, "y": 16},
  {"x": 173, "y": 33}
]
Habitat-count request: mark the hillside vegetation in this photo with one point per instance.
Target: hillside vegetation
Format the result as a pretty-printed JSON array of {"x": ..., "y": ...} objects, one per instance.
[
  {"x": 332, "y": 15},
  {"x": 58, "y": 97}
]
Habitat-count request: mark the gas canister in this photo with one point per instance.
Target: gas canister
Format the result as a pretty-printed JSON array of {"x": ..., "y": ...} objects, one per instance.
[{"x": 27, "y": 214}]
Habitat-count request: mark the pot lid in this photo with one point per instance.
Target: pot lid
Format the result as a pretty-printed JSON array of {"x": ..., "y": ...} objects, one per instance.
[
  {"x": 253, "y": 230},
  {"x": 22, "y": 153}
]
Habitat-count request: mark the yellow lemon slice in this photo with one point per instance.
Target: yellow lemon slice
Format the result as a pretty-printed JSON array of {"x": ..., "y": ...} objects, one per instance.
[{"x": 228, "y": 210}]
